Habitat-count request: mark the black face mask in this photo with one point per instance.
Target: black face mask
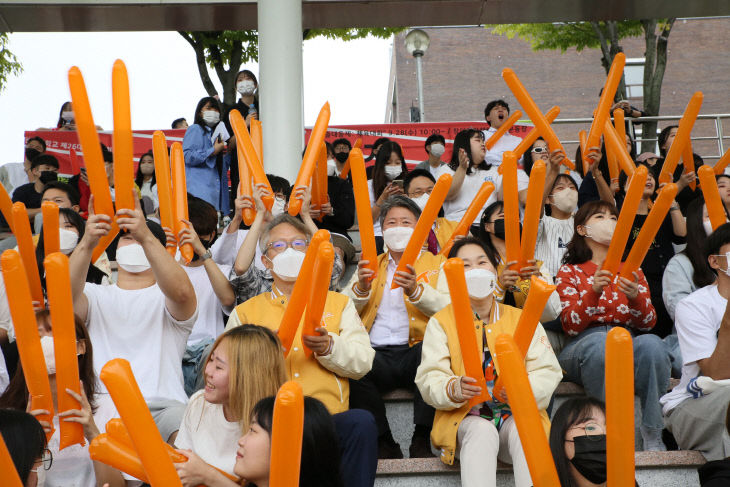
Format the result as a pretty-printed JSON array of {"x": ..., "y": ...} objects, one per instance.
[
  {"x": 590, "y": 457},
  {"x": 499, "y": 229},
  {"x": 207, "y": 244},
  {"x": 48, "y": 176},
  {"x": 342, "y": 157}
]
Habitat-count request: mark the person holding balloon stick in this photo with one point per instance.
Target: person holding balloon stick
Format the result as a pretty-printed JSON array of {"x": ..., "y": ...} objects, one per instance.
[{"x": 480, "y": 434}]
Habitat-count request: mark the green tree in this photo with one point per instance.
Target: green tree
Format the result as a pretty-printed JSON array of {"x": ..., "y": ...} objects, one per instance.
[
  {"x": 9, "y": 64},
  {"x": 225, "y": 51},
  {"x": 607, "y": 36}
]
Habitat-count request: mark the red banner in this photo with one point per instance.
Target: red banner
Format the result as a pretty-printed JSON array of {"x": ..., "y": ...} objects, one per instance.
[{"x": 410, "y": 136}]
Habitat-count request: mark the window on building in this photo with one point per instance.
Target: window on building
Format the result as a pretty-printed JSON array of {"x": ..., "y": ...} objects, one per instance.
[{"x": 634, "y": 76}]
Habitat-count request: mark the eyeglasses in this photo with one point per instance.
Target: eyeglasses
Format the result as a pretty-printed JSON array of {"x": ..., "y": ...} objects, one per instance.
[
  {"x": 281, "y": 245},
  {"x": 46, "y": 460},
  {"x": 591, "y": 430},
  {"x": 539, "y": 150},
  {"x": 420, "y": 192}
]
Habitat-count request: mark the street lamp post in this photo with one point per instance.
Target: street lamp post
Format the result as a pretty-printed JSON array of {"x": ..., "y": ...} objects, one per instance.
[{"x": 417, "y": 42}]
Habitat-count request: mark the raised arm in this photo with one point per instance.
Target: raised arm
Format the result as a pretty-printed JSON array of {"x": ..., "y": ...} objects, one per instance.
[
  {"x": 459, "y": 175},
  {"x": 247, "y": 252},
  {"x": 604, "y": 189},
  {"x": 171, "y": 278}
]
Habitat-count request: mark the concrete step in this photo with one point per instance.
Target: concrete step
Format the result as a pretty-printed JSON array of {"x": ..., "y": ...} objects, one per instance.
[{"x": 668, "y": 469}]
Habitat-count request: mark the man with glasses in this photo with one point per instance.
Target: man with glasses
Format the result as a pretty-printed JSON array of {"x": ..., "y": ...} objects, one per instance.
[
  {"x": 694, "y": 411},
  {"x": 418, "y": 185},
  {"x": 396, "y": 320},
  {"x": 341, "y": 348}
]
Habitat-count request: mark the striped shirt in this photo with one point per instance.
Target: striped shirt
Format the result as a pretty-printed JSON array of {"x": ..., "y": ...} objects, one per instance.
[{"x": 553, "y": 236}]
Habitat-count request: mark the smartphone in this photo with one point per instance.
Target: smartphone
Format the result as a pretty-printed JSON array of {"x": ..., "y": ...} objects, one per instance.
[{"x": 399, "y": 183}]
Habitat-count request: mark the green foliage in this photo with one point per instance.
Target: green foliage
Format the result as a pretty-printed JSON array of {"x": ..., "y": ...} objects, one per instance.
[
  {"x": 9, "y": 64},
  {"x": 563, "y": 36},
  {"x": 220, "y": 46},
  {"x": 352, "y": 34}
]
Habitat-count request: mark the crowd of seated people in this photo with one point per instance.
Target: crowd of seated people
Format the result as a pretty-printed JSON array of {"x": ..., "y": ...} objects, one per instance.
[{"x": 201, "y": 335}]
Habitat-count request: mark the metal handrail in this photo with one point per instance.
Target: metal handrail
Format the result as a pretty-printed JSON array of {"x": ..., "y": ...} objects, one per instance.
[{"x": 719, "y": 134}]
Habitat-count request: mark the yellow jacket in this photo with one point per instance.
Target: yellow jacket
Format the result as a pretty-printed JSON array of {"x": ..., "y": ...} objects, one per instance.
[
  {"x": 441, "y": 360},
  {"x": 434, "y": 297},
  {"x": 322, "y": 377},
  {"x": 443, "y": 229}
]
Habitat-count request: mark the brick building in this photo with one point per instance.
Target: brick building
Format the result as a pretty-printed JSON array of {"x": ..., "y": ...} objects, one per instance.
[{"x": 462, "y": 68}]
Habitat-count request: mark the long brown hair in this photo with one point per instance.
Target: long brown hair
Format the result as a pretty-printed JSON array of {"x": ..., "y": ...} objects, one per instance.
[
  {"x": 16, "y": 395},
  {"x": 578, "y": 250},
  {"x": 256, "y": 368}
]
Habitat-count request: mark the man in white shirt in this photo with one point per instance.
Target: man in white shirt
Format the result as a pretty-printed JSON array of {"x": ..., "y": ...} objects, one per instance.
[
  {"x": 695, "y": 410},
  {"x": 396, "y": 320},
  {"x": 145, "y": 318},
  {"x": 435, "y": 147},
  {"x": 496, "y": 113}
]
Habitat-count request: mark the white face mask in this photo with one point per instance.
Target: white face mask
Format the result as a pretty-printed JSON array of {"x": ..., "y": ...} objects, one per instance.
[
  {"x": 278, "y": 207},
  {"x": 211, "y": 117},
  {"x": 396, "y": 238},
  {"x": 421, "y": 200},
  {"x": 67, "y": 240},
  {"x": 287, "y": 264},
  {"x": 331, "y": 167},
  {"x": 49, "y": 355},
  {"x": 565, "y": 200},
  {"x": 708, "y": 226},
  {"x": 246, "y": 87},
  {"x": 132, "y": 258},
  {"x": 392, "y": 172},
  {"x": 147, "y": 168},
  {"x": 480, "y": 283},
  {"x": 67, "y": 117},
  {"x": 437, "y": 150},
  {"x": 601, "y": 231},
  {"x": 40, "y": 473}
]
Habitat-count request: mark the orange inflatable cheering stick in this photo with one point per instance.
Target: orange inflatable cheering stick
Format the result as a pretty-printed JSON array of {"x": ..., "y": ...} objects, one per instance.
[
  {"x": 319, "y": 181},
  {"x": 617, "y": 148},
  {"x": 255, "y": 166},
  {"x": 8, "y": 475},
  {"x": 89, "y": 139},
  {"x": 60, "y": 303},
  {"x": 286, "y": 436},
  {"x": 119, "y": 380},
  {"x": 625, "y": 220},
  {"x": 530, "y": 107},
  {"x": 300, "y": 294},
  {"x": 346, "y": 167},
  {"x": 6, "y": 207},
  {"x": 537, "y": 298},
  {"x": 648, "y": 231},
  {"x": 524, "y": 408},
  {"x": 51, "y": 235},
  {"x": 364, "y": 212},
  {"x": 688, "y": 159},
  {"x": 26, "y": 335},
  {"x": 533, "y": 134},
  {"x": 619, "y": 408},
  {"x": 318, "y": 289},
  {"x": 715, "y": 208},
  {"x": 511, "y": 207},
  {"x": 180, "y": 197},
  {"x": 164, "y": 186},
  {"x": 603, "y": 110},
  {"x": 110, "y": 451},
  {"x": 684, "y": 130},
  {"x": 503, "y": 129},
  {"x": 719, "y": 168},
  {"x": 123, "y": 146},
  {"x": 247, "y": 214},
  {"x": 424, "y": 224},
  {"x": 257, "y": 139},
  {"x": 471, "y": 214},
  {"x": 583, "y": 141},
  {"x": 75, "y": 163},
  {"x": 464, "y": 319},
  {"x": 533, "y": 207},
  {"x": 21, "y": 224},
  {"x": 316, "y": 139}
]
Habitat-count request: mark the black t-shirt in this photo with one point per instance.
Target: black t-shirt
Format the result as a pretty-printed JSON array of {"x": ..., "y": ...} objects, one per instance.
[
  {"x": 27, "y": 195},
  {"x": 343, "y": 205},
  {"x": 660, "y": 251}
]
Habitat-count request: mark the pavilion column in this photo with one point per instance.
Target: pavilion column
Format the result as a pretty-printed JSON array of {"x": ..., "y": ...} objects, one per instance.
[{"x": 281, "y": 88}]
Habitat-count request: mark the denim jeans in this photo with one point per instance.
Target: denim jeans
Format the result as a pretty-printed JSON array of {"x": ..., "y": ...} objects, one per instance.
[
  {"x": 583, "y": 361},
  {"x": 193, "y": 364}
]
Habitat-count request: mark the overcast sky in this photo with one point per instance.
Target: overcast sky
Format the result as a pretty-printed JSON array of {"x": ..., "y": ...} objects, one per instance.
[{"x": 164, "y": 81}]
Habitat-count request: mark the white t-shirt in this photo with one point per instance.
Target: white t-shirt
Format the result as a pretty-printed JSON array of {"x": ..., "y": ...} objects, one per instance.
[
  {"x": 553, "y": 236},
  {"x": 455, "y": 209},
  {"x": 373, "y": 199},
  {"x": 6, "y": 321},
  {"x": 4, "y": 377},
  {"x": 205, "y": 431},
  {"x": 135, "y": 325},
  {"x": 210, "y": 321},
  {"x": 504, "y": 143},
  {"x": 698, "y": 318}
]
